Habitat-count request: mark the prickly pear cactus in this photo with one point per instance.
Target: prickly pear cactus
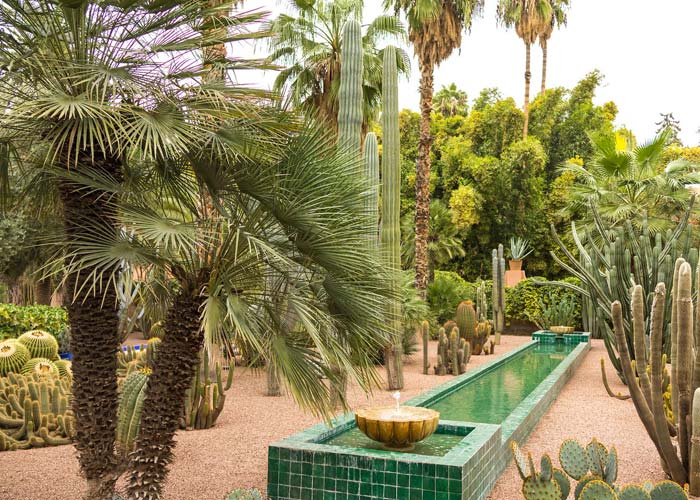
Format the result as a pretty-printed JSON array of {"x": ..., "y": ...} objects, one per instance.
[
  {"x": 668, "y": 490},
  {"x": 633, "y": 492},
  {"x": 597, "y": 490},
  {"x": 41, "y": 344},
  {"x": 13, "y": 356},
  {"x": 596, "y": 457},
  {"x": 573, "y": 459},
  {"x": 539, "y": 489}
]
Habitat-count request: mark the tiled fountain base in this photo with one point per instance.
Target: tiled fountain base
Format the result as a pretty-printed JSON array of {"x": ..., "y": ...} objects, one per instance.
[{"x": 303, "y": 467}]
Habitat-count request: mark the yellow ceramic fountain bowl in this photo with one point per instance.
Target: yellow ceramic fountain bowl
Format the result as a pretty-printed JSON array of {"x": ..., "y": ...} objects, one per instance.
[
  {"x": 397, "y": 430},
  {"x": 559, "y": 330}
]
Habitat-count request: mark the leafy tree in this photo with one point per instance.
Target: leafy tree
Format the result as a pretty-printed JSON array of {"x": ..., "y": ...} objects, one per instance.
[
  {"x": 450, "y": 101},
  {"x": 530, "y": 18},
  {"x": 435, "y": 30},
  {"x": 464, "y": 205},
  {"x": 557, "y": 18},
  {"x": 495, "y": 127},
  {"x": 307, "y": 45},
  {"x": 487, "y": 96},
  {"x": 624, "y": 184}
]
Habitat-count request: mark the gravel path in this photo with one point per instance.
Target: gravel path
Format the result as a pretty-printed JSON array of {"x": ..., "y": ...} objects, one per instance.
[{"x": 210, "y": 463}]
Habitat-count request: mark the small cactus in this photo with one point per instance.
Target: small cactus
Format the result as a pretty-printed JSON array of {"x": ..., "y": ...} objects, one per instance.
[
  {"x": 41, "y": 344},
  {"x": 205, "y": 398},
  {"x": 13, "y": 356},
  {"x": 425, "y": 333},
  {"x": 40, "y": 366},
  {"x": 441, "y": 367},
  {"x": 466, "y": 320}
]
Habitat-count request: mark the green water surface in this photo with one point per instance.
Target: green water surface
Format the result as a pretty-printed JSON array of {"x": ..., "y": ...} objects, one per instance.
[{"x": 488, "y": 399}]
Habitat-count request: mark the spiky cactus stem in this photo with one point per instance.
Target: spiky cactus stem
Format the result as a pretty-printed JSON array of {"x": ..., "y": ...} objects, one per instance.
[
  {"x": 391, "y": 211},
  {"x": 350, "y": 91},
  {"x": 425, "y": 334},
  {"x": 371, "y": 173},
  {"x": 498, "y": 292},
  {"x": 694, "y": 474}
]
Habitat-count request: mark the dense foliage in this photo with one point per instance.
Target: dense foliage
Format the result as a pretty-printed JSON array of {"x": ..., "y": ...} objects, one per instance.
[{"x": 15, "y": 320}]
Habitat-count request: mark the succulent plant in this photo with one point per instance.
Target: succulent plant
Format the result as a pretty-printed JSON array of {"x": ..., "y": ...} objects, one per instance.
[
  {"x": 13, "y": 356},
  {"x": 64, "y": 367},
  {"x": 40, "y": 366},
  {"x": 425, "y": 334},
  {"x": 498, "y": 292},
  {"x": 594, "y": 467},
  {"x": 481, "y": 337},
  {"x": 482, "y": 307},
  {"x": 519, "y": 248},
  {"x": 206, "y": 397},
  {"x": 130, "y": 407},
  {"x": 41, "y": 344},
  {"x": 34, "y": 411},
  {"x": 244, "y": 494},
  {"x": 466, "y": 320}
]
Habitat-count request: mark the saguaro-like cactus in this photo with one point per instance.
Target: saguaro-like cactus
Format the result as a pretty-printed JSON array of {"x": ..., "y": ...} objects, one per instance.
[
  {"x": 498, "y": 293},
  {"x": 683, "y": 465},
  {"x": 205, "y": 398},
  {"x": 425, "y": 334},
  {"x": 371, "y": 172},
  {"x": 391, "y": 211},
  {"x": 350, "y": 91},
  {"x": 441, "y": 366},
  {"x": 482, "y": 308}
]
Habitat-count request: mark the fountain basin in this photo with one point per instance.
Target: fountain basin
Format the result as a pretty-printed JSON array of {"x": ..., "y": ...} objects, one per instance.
[{"x": 397, "y": 430}]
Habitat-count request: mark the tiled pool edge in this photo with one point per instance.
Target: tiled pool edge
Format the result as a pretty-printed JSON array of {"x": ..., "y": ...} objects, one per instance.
[{"x": 299, "y": 467}]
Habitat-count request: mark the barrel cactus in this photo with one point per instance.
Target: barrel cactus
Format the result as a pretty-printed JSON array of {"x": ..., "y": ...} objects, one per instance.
[
  {"x": 65, "y": 367},
  {"x": 40, "y": 366},
  {"x": 13, "y": 357},
  {"x": 41, "y": 344},
  {"x": 466, "y": 320}
]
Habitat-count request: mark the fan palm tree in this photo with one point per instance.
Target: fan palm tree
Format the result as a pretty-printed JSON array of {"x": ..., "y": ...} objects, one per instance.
[
  {"x": 435, "y": 30},
  {"x": 624, "y": 184},
  {"x": 450, "y": 101},
  {"x": 91, "y": 86},
  {"x": 530, "y": 18},
  {"x": 283, "y": 265},
  {"x": 307, "y": 46},
  {"x": 557, "y": 18}
]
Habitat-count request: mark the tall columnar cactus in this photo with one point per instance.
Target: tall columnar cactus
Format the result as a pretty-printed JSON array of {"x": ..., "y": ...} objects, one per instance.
[
  {"x": 441, "y": 366},
  {"x": 482, "y": 307},
  {"x": 371, "y": 173},
  {"x": 453, "y": 353},
  {"x": 609, "y": 261},
  {"x": 481, "y": 337},
  {"x": 130, "y": 407},
  {"x": 206, "y": 397},
  {"x": 425, "y": 334},
  {"x": 391, "y": 211},
  {"x": 34, "y": 411},
  {"x": 498, "y": 293},
  {"x": 466, "y": 320},
  {"x": 350, "y": 91},
  {"x": 683, "y": 465}
]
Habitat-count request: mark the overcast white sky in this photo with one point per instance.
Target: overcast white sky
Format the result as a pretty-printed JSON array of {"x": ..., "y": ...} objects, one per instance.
[{"x": 647, "y": 50}]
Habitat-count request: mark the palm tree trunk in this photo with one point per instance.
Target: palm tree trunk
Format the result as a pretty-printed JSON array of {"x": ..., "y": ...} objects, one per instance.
[
  {"x": 43, "y": 292},
  {"x": 422, "y": 218},
  {"x": 178, "y": 356},
  {"x": 543, "y": 43},
  {"x": 528, "y": 75},
  {"x": 94, "y": 339}
]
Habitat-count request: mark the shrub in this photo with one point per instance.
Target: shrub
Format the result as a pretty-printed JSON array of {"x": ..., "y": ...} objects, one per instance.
[
  {"x": 445, "y": 292},
  {"x": 15, "y": 320},
  {"x": 244, "y": 494},
  {"x": 525, "y": 300}
]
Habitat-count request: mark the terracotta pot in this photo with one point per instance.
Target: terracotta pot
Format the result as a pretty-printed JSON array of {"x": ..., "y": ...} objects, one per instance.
[{"x": 515, "y": 264}]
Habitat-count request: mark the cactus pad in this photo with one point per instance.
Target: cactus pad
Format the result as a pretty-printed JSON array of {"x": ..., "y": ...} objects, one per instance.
[
  {"x": 41, "y": 344},
  {"x": 597, "y": 490},
  {"x": 572, "y": 457},
  {"x": 611, "y": 467},
  {"x": 537, "y": 489},
  {"x": 13, "y": 356},
  {"x": 519, "y": 458},
  {"x": 596, "y": 457},
  {"x": 668, "y": 490},
  {"x": 582, "y": 484},
  {"x": 563, "y": 481},
  {"x": 65, "y": 367},
  {"x": 40, "y": 366},
  {"x": 633, "y": 492},
  {"x": 546, "y": 467}
]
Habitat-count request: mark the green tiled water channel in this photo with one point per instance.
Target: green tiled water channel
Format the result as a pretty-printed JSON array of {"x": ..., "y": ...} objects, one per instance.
[{"x": 479, "y": 412}]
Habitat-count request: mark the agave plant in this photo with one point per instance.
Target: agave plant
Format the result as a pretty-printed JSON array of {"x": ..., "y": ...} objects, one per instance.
[{"x": 519, "y": 248}]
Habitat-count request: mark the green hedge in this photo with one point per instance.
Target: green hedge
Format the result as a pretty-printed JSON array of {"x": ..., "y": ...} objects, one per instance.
[
  {"x": 15, "y": 320},
  {"x": 522, "y": 301}
]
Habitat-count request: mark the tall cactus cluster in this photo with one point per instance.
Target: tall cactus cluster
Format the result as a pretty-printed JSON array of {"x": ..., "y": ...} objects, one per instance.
[
  {"x": 206, "y": 397},
  {"x": 498, "y": 293},
  {"x": 453, "y": 353},
  {"x": 482, "y": 306},
  {"x": 680, "y": 457},
  {"x": 594, "y": 468},
  {"x": 610, "y": 261},
  {"x": 34, "y": 411}
]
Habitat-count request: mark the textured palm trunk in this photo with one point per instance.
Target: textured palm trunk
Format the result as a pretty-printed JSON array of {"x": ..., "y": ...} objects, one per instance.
[
  {"x": 42, "y": 292},
  {"x": 94, "y": 340},
  {"x": 422, "y": 218},
  {"x": 528, "y": 75},
  {"x": 273, "y": 380},
  {"x": 543, "y": 43},
  {"x": 178, "y": 356}
]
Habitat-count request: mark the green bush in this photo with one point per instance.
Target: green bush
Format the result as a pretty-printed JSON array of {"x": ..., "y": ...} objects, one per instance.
[
  {"x": 446, "y": 292},
  {"x": 15, "y": 320},
  {"x": 524, "y": 301}
]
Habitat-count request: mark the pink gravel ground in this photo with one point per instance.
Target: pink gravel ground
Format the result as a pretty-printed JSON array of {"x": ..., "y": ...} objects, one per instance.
[{"x": 208, "y": 464}]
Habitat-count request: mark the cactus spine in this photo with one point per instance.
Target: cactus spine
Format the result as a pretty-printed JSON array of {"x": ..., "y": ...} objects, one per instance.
[
  {"x": 391, "y": 211},
  {"x": 425, "y": 334},
  {"x": 498, "y": 293},
  {"x": 34, "y": 411},
  {"x": 648, "y": 395},
  {"x": 350, "y": 91}
]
